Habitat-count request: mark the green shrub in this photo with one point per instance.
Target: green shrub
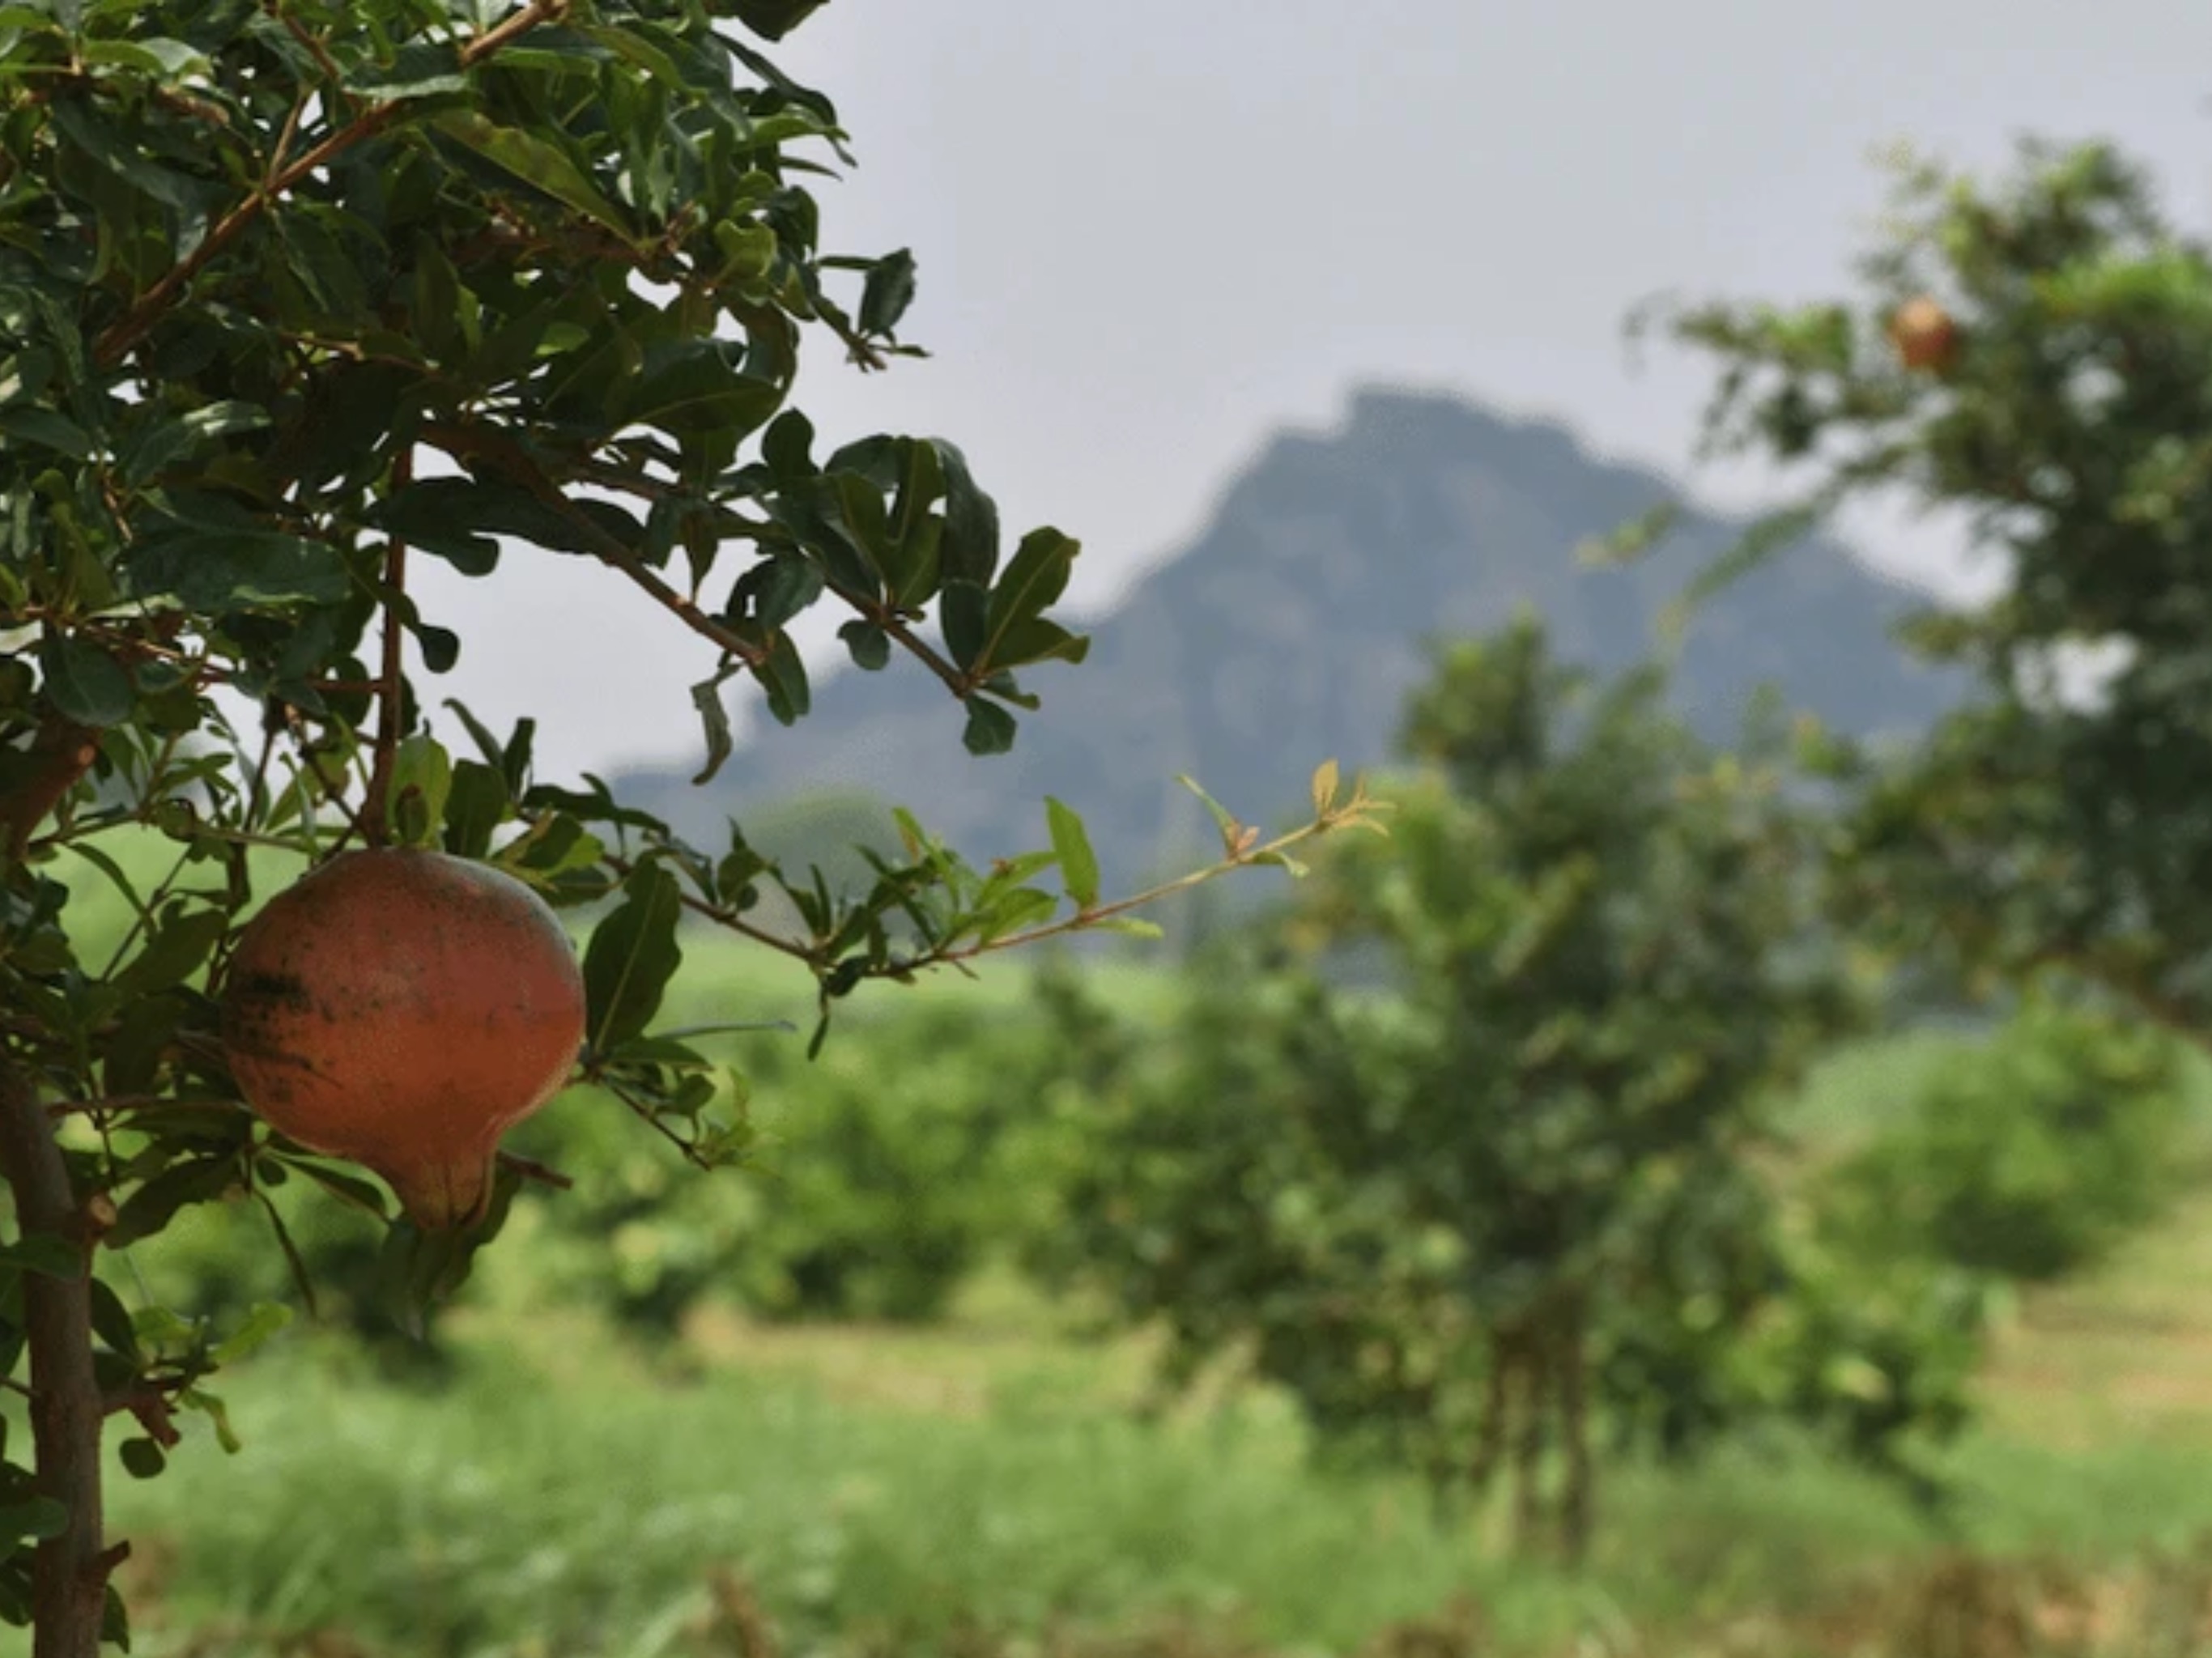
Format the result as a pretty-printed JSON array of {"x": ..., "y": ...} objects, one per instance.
[{"x": 2030, "y": 1153}]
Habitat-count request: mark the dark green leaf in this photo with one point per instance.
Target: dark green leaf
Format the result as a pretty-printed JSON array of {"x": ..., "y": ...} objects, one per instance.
[
  {"x": 783, "y": 677},
  {"x": 1034, "y": 577},
  {"x": 475, "y": 808},
  {"x": 224, "y": 571},
  {"x": 39, "y": 1253},
  {"x": 887, "y": 294},
  {"x": 964, "y": 610},
  {"x": 631, "y": 957},
  {"x": 969, "y": 550},
  {"x": 184, "y": 942},
  {"x": 1035, "y": 640},
  {"x": 785, "y": 447},
  {"x": 537, "y": 163},
  {"x": 142, "y": 1458},
  {"x": 991, "y": 729},
  {"x": 48, "y": 429},
  {"x": 84, "y": 683},
  {"x": 870, "y": 645},
  {"x": 440, "y": 647},
  {"x": 773, "y": 18},
  {"x": 35, "y": 1518}
]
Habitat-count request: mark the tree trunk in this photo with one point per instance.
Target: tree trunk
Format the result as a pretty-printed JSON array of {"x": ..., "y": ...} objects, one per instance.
[
  {"x": 68, "y": 1573},
  {"x": 1528, "y": 1446},
  {"x": 1579, "y": 1500},
  {"x": 1490, "y": 1435}
]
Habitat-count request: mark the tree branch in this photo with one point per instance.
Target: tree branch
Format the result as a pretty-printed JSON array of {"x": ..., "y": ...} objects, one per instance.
[
  {"x": 473, "y": 443},
  {"x": 466, "y": 443},
  {"x": 68, "y": 1573},
  {"x": 376, "y": 822}
]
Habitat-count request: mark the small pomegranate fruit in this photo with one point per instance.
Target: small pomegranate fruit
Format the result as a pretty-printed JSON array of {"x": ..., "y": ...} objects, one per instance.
[
  {"x": 404, "y": 1008},
  {"x": 1926, "y": 335}
]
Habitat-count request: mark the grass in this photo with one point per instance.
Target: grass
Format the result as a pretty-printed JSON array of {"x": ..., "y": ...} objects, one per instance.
[
  {"x": 510, "y": 1516},
  {"x": 878, "y": 1491},
  {"x": 885, "y": 1491}
]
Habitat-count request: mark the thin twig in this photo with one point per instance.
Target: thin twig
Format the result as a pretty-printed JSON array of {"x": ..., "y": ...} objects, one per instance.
[
  {"x": 376, "y": 823},
  {"x": 471, "y": 443},
  {"x": 530, "y": 1169},
  {"x": 292, "y": 1256},
  {"x": 646, "y": 1114}
]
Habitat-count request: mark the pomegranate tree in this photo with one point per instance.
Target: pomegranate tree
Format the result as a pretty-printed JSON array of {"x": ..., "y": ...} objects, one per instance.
[{"x": 263, "y": 257}]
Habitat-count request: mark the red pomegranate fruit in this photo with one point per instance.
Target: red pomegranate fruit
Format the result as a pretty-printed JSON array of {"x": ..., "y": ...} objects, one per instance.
[
  {"x": 404, "y": 1009},
  {"x": 1926, "y": 335}
]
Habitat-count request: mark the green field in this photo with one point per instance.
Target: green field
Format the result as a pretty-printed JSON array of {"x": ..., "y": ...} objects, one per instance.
[
  {"x": 988, "y": 1485},
  {"x": 964, "y": 1488}
]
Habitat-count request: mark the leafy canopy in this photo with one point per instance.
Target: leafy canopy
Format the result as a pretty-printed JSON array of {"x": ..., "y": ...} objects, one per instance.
[
  {"x": 2042, "y": 828},
  {"x": 292, "y": 292}
]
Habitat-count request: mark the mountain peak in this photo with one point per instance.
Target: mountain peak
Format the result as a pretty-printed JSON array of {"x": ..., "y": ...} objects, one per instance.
[{"x": 1291, "y": 629}]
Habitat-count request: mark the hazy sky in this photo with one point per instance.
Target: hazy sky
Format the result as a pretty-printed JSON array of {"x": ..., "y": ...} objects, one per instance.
[{"x": 1148, "y": 233}]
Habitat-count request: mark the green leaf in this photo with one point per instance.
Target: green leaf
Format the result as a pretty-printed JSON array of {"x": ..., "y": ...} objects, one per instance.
[
  {"x": 150, "y": 1209},
  {"x": 440, "y": 647},
  {"x": 538, "y": 164},
  {"x": 1035, "y": 579},
  {"x": 773, "y": 18},
  {"x": 870, "y": 645},
  {"x": 266, "y": 1319},
  {"x": 1134, "y": 926},
  {"x": 969, "y": 549},
  {"x": 225, "y": 571},
  {"x": 187, "y": 937},
  {"x": 47, "y": 429},
  {"x": 631, "y": 957},
  {"x": 349, "y": 1189},
  {"x": 198, "y": 1399},
  {"x": 1034, "y": 640},
  {"x": 164, "y": 58},
  {"x": 697, "y": 387},
  {"x": 783, "y": 677},
  {"x": 143, "y": 1459},
  {"x": 421, "y": 782},
  {"x": 52, "y": 1257},
  {"x": 887, "y": 293},
  {"x": 963, "y": 610},
  {"x": 84, "y": 683},
  {"x": 1078, "y": 864},
  {"x": 112, "y": 1322},
  {"x": 32, "y": 1518},
  {"x": 475, "y": 808},
  {"x": 785, "y": 447},
  {"x": 990, "y": 728}
]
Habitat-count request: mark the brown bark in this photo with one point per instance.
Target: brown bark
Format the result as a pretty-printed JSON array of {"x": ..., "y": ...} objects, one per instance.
[
  {"x": 1528, "y": 1446},
  {"x": 1578, "y": 1498},
  {"x": 69, "y": 1572},
  {"x": 1490, "y": 1434}
]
